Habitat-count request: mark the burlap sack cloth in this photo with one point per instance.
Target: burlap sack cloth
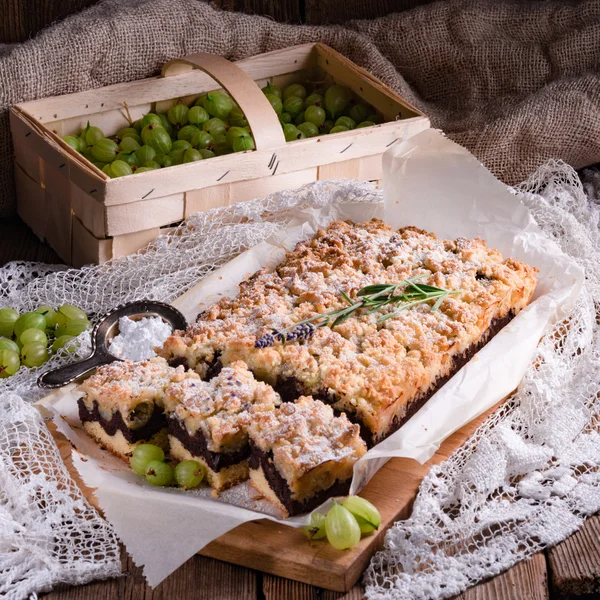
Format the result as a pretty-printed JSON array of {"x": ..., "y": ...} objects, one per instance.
[{"x": 515, "y": 82}]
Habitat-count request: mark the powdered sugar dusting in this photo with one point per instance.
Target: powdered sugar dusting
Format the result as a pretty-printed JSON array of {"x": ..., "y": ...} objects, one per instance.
[{"x": 137, "y": 339}]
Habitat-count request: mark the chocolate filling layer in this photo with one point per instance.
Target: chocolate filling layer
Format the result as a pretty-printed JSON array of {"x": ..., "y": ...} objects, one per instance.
[
  {"x": 279, "y": 485},
  {"x": 116, "y": 423},
  {"x": 290, "y": 388},
  {"x": 213, "y": 368},
  {"x": 196, "y": 444},
  {"x": 458, "y": 362}
]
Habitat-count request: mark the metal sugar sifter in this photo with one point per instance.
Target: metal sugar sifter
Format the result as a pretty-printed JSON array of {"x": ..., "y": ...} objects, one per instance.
[{"x": 103, "y": 332}]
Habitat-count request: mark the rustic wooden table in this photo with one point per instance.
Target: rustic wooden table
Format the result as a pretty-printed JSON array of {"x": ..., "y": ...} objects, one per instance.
[{"x": 569, "y": 570}]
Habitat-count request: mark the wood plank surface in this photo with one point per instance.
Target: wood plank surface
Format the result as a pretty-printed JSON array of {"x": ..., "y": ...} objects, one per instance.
[
  {"x": 574, "y": 564},
  {"x": 199, "y": 578},
  {"x": 527, "y": 580}
]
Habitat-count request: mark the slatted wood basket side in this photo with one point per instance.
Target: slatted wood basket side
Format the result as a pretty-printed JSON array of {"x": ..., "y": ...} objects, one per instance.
[{"x": 89, "y": 218}]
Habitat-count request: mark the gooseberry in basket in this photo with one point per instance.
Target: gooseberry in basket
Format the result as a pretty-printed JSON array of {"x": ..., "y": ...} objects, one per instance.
[
  {"x": 347, "y": 122},
  {"x": 130, "y": 158},
  {"x": 105, "y": 150},
  {"x": 187, "y": 133},
  {"x": 206, "y": 153},
  {"x": 338, "y": 129},
  {"x": 326, "y": 127},
  {"x": 217, "y": 104},
  {"x": 129, "y": 144},
  {"x": 308, "y": 129},
  {"x": 295, "y": 89},
  {"x": 119, "y": 168},
  {"x": 151, "y": 164},
  {"x": 243, "y": 143},
  {"x": 146, "y": 153},
  {"x": 360, "y": 112},
  {"x": 237, "y": 118},
  {"x": 313, "y": 100},
  {"x": 178, "y": 115},
  {"x": 73, "y": 141},
  {"x": 293, "y": 105},
  {"x": 157, "y": 138},
  {"x": 315, "y": 115},
  {"x": 192, "y": 155},
  {"x": 151, "y": 118},
  {"x": 285, "y": 118},
  {"x": 215, "y": 127},
  {"x": 275, "y": 90},
  {"x": 91, "y": 135},
  {"x": 275, "y": 102},
  {"x": 365, "y": 124},
  {"x": 202, "y": 139},
  {"x": 164, "y": 120},
  {"x": 164, "y": 160},
  {"x": 9, "y": 363},
  {"x": 337, "y": 97},
  {"x": 198, "y": 115},
  {"x": 299, "y": 118},
  {"x": 291, "y": 133}
]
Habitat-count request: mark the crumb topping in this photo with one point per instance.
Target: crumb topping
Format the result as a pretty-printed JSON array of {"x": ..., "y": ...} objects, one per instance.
[
  {"x": 305, "y": 434},
  {"x": 123, "y": 385},
  {"x": 221, "y": 408},
  {"x": 365, "y": 365}
]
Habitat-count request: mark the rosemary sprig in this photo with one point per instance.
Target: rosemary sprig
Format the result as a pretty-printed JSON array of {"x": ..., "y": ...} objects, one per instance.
[{"x": 405, "y": 294}]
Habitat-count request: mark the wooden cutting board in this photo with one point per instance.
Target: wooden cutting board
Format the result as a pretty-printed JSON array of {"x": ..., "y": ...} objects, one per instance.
[{"x": 284, "y": 551}]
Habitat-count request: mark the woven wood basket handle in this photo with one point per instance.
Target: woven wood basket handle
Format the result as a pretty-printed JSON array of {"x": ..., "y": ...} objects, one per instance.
[{"x": 259, "y": 113}]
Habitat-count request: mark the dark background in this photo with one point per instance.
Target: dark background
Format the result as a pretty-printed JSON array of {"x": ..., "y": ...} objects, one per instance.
[{"x": 22, "y": 19}]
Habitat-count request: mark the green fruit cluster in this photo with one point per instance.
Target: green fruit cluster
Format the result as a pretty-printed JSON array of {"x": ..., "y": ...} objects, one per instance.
[
  {"x": 31, "y": 338},
  {"x": 215, "y": 125},
  {"x": 149, "y": 461},
  {"x": 344, "y": 523}
]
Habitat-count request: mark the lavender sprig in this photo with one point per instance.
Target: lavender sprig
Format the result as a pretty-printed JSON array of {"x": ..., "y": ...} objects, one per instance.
[{"x": 405, "y": 294}]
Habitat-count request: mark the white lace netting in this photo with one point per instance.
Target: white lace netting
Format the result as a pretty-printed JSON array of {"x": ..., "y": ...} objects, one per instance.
[
  {"x": 529, "y": 475},
  {"x": 525, "y": 480}
]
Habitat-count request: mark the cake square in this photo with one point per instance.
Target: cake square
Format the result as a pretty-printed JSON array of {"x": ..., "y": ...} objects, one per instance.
[
  {"x": 208, "y": 421},
  {"x": 301, "y": 454},
  {"x": 122, "y": 405},
  {"x": 377, "y": 372}
]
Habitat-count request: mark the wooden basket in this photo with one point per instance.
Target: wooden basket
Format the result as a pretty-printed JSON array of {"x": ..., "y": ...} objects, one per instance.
[{"x": 89, "y": 218}]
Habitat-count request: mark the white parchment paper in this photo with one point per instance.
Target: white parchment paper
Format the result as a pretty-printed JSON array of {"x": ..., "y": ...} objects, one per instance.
[{"x": 431, "y": 183}]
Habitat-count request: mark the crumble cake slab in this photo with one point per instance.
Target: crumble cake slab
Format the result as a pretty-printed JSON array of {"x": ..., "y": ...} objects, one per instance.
[
  {"x": 122, "y": 404},
  {"x": 378, "y": 374},
  {"x": 302, "y": 454},
  {"x": 208, "y": 421}
]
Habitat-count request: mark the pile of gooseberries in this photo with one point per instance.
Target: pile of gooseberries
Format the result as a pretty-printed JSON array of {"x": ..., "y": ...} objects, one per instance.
[
  {"x": 31, "y": 338},
  {"x": 344, "y": 523},
  {"x": 215, "y": 125},
  {"x": 149, "y": 461}
]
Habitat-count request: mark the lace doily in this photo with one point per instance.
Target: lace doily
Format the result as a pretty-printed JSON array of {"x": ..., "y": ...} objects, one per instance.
[
  {"x": 525, "y": 480},
  {"x": 529, "y": 475}
]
